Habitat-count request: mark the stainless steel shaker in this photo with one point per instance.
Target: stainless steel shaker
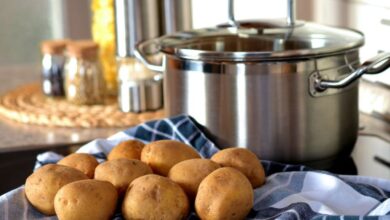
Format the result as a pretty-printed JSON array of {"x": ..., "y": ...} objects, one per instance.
[{"x": 140, "y": 89}]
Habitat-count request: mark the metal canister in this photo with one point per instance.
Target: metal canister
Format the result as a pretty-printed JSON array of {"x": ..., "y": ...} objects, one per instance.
[
  {"x": 135, "y": 20},
  {"x": 138, "y": 20},
  {"x": 176, "y": 16},
  {"x": 140, "y": 89}
]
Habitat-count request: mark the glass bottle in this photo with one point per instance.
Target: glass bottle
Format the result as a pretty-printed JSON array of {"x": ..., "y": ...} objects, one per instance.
[
  {"x": 103, "y": 33},
  {"x": 53, "y": 60},
  {"x": 84, "y": 82}
]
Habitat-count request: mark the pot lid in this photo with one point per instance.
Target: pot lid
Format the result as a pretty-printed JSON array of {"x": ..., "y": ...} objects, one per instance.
[{"x": 263, "y": 40}]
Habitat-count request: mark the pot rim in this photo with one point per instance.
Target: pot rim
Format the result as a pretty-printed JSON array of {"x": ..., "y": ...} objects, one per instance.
[{"x": 306, "y": 40}]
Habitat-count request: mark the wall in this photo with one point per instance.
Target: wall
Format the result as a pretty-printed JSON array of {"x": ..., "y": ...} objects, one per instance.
[
  {"x": 207, "y": 13},
  {"x": 24, "y": 24},
  {"x": 371, "y": 17}
]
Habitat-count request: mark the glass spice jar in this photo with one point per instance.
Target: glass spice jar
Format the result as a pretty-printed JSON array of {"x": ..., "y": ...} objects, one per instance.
[
  {"x": 84, "y": 82},
  {"x": 53, "y": 60}
]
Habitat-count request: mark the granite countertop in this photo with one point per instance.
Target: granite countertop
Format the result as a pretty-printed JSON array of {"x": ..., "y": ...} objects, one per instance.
[{"x": 17, "y": 137}]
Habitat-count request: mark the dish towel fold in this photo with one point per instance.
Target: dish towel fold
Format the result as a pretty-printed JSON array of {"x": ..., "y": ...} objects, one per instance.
[{"x": 291, "y": 191}]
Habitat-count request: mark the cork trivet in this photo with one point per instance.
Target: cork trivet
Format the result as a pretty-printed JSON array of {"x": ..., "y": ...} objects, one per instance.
[{"x": 27, "y": 104}]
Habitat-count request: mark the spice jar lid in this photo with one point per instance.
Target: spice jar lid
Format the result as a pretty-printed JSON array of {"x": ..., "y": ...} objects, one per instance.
[
  {"x": 85, "y": 49},
  {"x": 53, "y": 46}
]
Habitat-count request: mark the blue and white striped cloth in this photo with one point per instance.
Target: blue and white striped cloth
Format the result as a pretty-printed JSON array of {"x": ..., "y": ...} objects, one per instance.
[{"x": 291, "y": 191}]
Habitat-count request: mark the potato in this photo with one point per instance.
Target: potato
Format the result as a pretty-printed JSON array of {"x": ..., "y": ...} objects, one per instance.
[
  {"x": 42, "y": 185},
  {"x": 121, "y": 172},
  {"x": 164, "y": 154},
  {"x": 224, "y": 194},
  {"x": 189, "y": 173},
  {"x": 243, "y": 160},
  {"x": 84, "y": 162},
  {"x": 130, "y": 149},
  {"x": 155, "y": 197},
  {"x": 86, "y": 199}
]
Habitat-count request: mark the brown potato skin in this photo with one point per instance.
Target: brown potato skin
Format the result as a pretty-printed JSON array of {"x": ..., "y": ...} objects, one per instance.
[
  {"x": 155, "y": 197},
  {"x": 224, "y": 194},
  {"x": 162, "y": 155},
  {"x": 243, "y": 160},
  {"x": 42, "y": 185},
  {"x": 190, "y": 173},
  {"x": 86, "y": 199},
  {"x": 84, "y": 162},
  {"x": 130, "y": 149},
  {"x": 121, "y": 172}
]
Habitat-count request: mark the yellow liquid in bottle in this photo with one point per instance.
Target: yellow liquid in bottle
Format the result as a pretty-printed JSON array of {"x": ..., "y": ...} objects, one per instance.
[{"x": 103, "y": 33}]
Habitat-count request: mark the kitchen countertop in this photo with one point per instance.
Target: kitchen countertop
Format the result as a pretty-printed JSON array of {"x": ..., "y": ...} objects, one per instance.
[{"x": 17, "y": 137}]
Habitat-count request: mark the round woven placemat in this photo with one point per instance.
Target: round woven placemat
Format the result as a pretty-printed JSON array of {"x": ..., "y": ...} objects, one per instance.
[{"x": 27, "y": 104}]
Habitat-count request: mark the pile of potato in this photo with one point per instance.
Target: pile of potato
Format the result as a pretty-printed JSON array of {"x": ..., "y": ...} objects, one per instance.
[{"x": 160, "y": 180}]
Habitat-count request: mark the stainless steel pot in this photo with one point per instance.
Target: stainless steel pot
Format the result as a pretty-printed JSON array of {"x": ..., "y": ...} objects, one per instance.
[{"x": 288, "y": 91}]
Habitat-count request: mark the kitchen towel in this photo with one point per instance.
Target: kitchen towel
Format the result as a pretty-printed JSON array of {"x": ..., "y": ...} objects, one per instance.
[{"x": 291, "y": 191}]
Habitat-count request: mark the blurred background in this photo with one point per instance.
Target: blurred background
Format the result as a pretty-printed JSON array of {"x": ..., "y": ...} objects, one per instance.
[{"x": 25, "y": 24}]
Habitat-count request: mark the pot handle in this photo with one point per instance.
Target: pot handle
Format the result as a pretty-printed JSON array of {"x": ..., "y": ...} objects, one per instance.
[
  {"x": 374, "y": 65},
  {"x": 291, "y": 9},
  {"x": 141, "y": 53}
]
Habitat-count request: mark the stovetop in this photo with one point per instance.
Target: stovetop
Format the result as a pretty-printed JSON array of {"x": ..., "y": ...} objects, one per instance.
[
  {"x": 374, "y": 98},
  {"x": 371, "y": 153},
  {"x": 371, "y": 156}
]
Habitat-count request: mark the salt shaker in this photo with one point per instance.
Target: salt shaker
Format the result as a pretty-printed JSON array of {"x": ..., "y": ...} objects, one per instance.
[
  {"x": 53, "y": 60},
  {"x": 84, "y": 82}
]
